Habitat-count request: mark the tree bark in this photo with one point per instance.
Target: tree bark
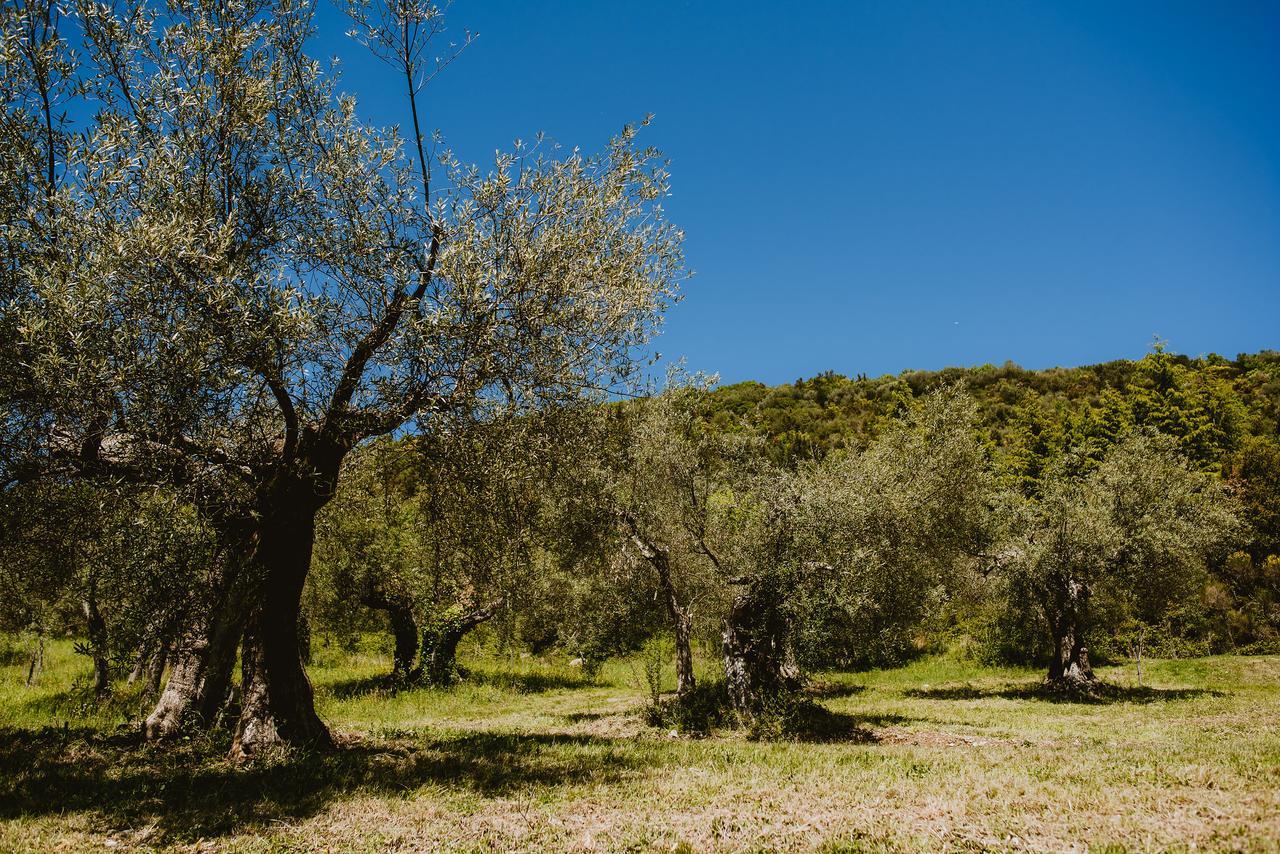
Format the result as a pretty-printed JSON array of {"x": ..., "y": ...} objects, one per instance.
[
  {"x": 439, "y": 665},
  {"x": 1069, "y": 668},
  {"x": 97, "y": 630},
  {"x": 37, "y": 661},
  {"x": 204, "y": 656},
  {"x": 155, "y": 668},
  {"x": 200, "y": 677},
  {"x": 759, "y": 657},
  {"x": 404, "y": 628},
  {"x": 278, "y": 704},
  {"x": 681, "y": 619},
  {"x": 681, "y": 622},
  {"x": 683, "y": 627}
]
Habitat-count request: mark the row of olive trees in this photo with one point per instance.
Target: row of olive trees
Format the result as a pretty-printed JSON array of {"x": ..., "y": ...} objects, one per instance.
[
  {"x": 588, "y": 517},
  {"x": 843, "y": 559},
  {"x": 628, "y": 515}
]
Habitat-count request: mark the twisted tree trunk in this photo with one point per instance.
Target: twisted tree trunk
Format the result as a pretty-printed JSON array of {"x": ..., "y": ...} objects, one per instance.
[
  {"x": 404, "y": 628},
  {"x": 681, "y": 620},
  {"x": 204, "y": 656},
  {"x": 277, "y": 701},
  {"x": 439, "y": 665},
  {"x": 154, "y": 653},
  {"x": 1069, "y": 669},
  {"x": 155, "y": 668},
  {"x": 149, "y": 665},
  {"x": 97, "y": 647},
  {"x": 759, "y": 657},
  {"x": 37, "y": 661},
  {"x": 200, "y": 678}
]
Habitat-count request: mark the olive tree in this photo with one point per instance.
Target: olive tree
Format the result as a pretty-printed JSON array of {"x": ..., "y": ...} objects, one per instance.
[
  {"x": 221, "y": 279},
  {"x": 440, "y": 532},
  {"x": 1141, "y": 525},
  {"x": 898, "y": 523},
  {"x": 844, "y": 556},
  {"x": 116, "y": 567},
  {"x": 663, "y": 470}
]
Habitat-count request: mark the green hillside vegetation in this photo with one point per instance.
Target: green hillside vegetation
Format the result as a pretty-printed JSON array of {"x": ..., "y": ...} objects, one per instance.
[{"x": 1223, "y": 413}]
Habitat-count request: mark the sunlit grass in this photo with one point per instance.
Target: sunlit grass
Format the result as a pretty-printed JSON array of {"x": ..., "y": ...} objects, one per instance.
[{"x": 533, "y": 753}]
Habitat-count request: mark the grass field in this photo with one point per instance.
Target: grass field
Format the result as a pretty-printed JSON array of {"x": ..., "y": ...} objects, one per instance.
[{"x": 942, "y": 754}]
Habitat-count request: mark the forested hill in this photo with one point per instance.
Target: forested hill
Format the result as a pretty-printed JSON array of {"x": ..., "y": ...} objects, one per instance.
[{"x": 1212, "y": 404}]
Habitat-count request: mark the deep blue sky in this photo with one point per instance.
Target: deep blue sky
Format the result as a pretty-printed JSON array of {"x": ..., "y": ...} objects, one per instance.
[{"x": 875, "y": 186}]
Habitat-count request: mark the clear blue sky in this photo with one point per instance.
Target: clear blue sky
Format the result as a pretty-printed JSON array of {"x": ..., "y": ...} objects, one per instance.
[{"x": 875, "y": 186}]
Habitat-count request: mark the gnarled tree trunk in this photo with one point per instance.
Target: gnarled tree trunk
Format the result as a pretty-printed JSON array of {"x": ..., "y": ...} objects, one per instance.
[
  {"x": 97, "y": 630},
  {"x": 37, "y": 661},
  {"x": 155, "y": 669},
  {"x": 200, "y": 677},
  {"x": 682, "y": 623},
  {"x": 1066, "y": 615},
  {"x": 759, "y": 657},
  {"x": 404, "y": 628},
  {"x": 277, "y": 701},
  {"x": 203, "y": 657},
  {"x": 439, "y": 665},
  {"x": 681, "y": 620},
  {"x": 149, "y": 665}
]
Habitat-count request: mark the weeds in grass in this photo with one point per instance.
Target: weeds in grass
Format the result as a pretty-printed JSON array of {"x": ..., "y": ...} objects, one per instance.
[{"x": 698, "y": 711}]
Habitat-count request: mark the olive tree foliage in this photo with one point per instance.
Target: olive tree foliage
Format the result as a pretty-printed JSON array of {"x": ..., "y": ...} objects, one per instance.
[
  {"x": 840, "y": 560},
  {"x": 115, "y": 567},
  {"x": 1138, "y": 528},
  {"x": 661, "y": 485},
  {"x": 217, "y": 277},
  {"x": 899, "y": 524},
  {"x": 441, "y": 533},
  {"x": 766, "y": 552}
]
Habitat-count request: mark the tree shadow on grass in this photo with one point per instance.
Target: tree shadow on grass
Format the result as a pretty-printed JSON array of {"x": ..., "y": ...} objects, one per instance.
[
  {"x": 384, "y": 685},
  {"x": 586, "y": 717},
  {"x": 814, "y": 723},
  {"x": 833, "y": 690},
  {"x": 379, "y": 685},
  {"x": 531, "y": 683},
  {"x": 186, "y": 794},
  {"x": 1101, "y": 694},
  {"x": 12, "y": 657}
]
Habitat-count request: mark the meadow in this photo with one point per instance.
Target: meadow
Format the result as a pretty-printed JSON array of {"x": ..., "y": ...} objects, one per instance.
[{"x": 942, "y": 754}]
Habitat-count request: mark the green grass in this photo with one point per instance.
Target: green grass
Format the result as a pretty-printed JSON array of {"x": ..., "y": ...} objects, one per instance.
[{"x": 532, "y": 754}]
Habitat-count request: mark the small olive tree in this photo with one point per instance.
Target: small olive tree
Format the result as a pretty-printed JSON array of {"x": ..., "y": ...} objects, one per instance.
[
  {"x": 662, "y": 469},
  {"x": 899, "y": 523},
  {"x": 846, "y": 555}
]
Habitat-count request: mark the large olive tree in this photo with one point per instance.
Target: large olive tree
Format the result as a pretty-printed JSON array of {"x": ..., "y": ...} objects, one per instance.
[
  {"x": 1140, "y": 524},
  {"x": 218, "y": 277}
]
